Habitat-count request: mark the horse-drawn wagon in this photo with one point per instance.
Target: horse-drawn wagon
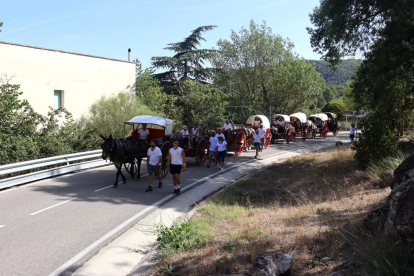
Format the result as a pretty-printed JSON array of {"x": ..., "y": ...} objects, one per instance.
[
  {"x": 249, "y": 130},
  {"x": 320, "y": 121},
  {"x": 300, "y": 125},
  {"x": 281, "y": 129},
  {"x": 332, "y": 123}
]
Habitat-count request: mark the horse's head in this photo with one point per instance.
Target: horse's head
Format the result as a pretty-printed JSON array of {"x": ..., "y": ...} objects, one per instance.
[{"x": 107, "y": 146}]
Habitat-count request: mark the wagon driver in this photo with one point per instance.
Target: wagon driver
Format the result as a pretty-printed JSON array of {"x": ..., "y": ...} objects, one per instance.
[
  {"x": 186, "y": 136},
  {"x": 227, "y": 128},
  {"x": 141, "y": 134},
  {"x": 194, "y": 134}
]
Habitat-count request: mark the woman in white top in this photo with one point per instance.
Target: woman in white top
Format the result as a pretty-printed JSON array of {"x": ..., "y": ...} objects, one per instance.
[
  {"x": 221, "y": 150},
  {"x": 256, "y": 122},
  {"x": 176, "y": 160}
]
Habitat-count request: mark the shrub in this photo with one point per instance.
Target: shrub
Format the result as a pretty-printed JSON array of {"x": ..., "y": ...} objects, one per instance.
[
  {"x": 336, "y": 108},
  {"x": 377, "y": 141},
  {"x": 107, "y": 116}
]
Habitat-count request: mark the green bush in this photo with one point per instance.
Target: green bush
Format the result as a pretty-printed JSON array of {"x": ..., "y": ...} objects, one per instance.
[
  {"x": 377, "y": 141},
  {"x": 107, "y": 116}
]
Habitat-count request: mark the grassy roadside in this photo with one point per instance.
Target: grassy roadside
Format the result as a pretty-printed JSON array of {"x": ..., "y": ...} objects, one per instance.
[{"x": 311, "y": 206}]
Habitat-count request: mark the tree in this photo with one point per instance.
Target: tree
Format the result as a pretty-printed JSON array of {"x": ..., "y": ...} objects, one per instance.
[
  {"x": 187, "y": 63},
  {"x": 384, "y": 82},
  {"x": 1, "y": 25},
  {"x": 259, "y": 69},
  {"x": 344, "y": 27},
  {"x": 204, "y": 105},
  {"x": 336, "y": 108}
]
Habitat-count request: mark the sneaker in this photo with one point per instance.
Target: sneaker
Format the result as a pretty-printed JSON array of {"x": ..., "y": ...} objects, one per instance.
[
  {"x": 208, "y": 166},
  {"x": 256, "y": 156},
  {"x": 159, "y": 184},
  {"x": 178, "y": 191},
  {"x": 221, "y": 168},
  {"x": 216, "y": 164},
  {"x": 149, "y": 189},
  {"x": 175, "y": 191}
]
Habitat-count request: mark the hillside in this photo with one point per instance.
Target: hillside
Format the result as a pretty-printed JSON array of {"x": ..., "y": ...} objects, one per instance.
[{"x": 344, "y": 72}]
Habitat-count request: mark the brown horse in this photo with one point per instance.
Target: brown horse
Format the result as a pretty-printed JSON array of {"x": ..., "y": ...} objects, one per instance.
[{"x": 121, "y": 151}]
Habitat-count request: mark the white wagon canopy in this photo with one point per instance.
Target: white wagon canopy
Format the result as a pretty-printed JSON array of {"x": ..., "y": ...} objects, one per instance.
[
  {"x": 300, "y": 115},
  {"x": 265, "y": 120},
  {"x": 150, "y": 120},
  {"x": 285, "y": 117},
  {"x": 321, "y": 116}
]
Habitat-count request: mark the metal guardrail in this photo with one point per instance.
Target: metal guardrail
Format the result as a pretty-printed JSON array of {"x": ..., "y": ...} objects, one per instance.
[{"x": 66, "y": 160}]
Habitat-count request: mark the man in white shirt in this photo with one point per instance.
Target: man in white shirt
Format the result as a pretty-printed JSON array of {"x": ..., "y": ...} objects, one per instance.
[
  {"x": 154, "y": 158},
  {"x": 143, "y": 133},
  {"x": 227, "y": 128}
]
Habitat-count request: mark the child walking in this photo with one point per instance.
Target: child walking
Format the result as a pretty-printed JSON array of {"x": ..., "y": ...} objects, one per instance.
[{"x": 222, "y": 149}]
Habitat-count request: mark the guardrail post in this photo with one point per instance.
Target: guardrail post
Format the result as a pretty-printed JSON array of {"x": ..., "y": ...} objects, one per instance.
[{"x": 67, "y": 162}]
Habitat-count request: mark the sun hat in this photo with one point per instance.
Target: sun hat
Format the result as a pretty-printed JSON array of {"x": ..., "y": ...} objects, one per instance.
[
  {"x": 184, "y": 127},
  {"x": 220, "y": 136}
]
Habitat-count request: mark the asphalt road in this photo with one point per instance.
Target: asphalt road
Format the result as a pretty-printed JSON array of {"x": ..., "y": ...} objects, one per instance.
[{"x": 44, "y": 225}]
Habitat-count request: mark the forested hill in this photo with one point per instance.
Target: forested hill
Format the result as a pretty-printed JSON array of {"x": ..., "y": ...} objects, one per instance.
[{"x": 344, "y": 72}]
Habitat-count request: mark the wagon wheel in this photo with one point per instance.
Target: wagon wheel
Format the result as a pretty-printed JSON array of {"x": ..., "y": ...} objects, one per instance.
[
  {"x": 335, "y": 129},
  {"x": 268, "y": 138},
  {"x": 325, "y": 130},
  {"x": 288, "y": 136},
  {"x": 304, "y": 132},
  {"x": 239, "y": 143},
  {"x": 134, "y": 167},
  {"x": 165, "y": 149},
  {"x": 201, "y": 151}
]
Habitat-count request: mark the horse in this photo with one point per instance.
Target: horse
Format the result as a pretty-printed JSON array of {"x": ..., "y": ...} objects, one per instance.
[{"x": 121, "y": 151}]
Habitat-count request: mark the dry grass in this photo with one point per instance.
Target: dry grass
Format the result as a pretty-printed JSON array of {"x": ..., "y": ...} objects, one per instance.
[{"x": 304, "y": 207}]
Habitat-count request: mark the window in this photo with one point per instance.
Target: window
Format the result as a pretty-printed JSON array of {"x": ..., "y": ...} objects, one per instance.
[{"x": 58, "y": 99}]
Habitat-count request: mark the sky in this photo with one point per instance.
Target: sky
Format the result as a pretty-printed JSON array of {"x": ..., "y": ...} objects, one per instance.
[{"x": 108, "y": 28}]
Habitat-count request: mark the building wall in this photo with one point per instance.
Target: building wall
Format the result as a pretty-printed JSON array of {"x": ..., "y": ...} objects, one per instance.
[{"x": 84, "y": 79}]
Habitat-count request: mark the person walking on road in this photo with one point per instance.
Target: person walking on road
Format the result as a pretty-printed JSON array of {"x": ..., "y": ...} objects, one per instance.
[
  {"x": 261, "y": 132},
  {"x": 257, "y": 143},
  {"x": 212, "y": 149},
  {"x": 154, "y": 157},
  {"x": 176, "y": 161},
  {"x": 221, "y": 150},
  {"x": 352, "y": 132}
]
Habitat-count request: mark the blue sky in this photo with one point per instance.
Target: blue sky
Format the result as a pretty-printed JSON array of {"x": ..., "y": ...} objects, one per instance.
[{"x": 109, "y": 28}]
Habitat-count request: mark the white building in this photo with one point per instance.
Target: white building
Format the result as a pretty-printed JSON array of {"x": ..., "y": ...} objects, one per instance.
[{"x": 63, "y": 79}]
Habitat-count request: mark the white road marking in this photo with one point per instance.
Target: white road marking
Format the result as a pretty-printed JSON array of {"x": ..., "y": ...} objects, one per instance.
[
  {"x": 105, "y": 187},
  {"x": 52, "y": 206},
  {"x": 2, "y": 226}
]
